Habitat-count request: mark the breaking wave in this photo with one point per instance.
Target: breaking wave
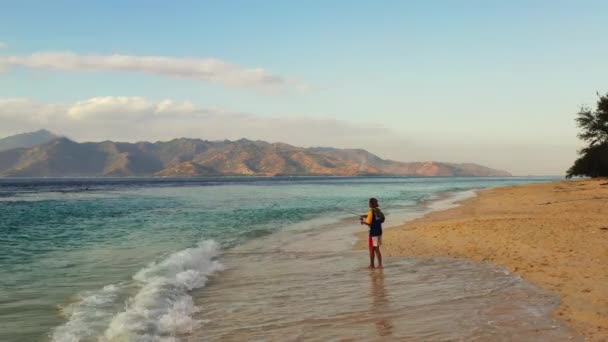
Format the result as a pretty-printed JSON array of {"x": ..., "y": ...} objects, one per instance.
[{"x": 161, "y": 309}]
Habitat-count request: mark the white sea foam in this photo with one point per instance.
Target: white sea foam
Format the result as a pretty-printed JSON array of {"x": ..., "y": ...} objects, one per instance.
[
  {"x": 161, "y": 309},
  {"x": 87, "y": 315}
]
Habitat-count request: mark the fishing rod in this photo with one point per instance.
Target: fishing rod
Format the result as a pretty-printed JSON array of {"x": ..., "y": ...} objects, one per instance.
[{"x": 348, "y": 211}]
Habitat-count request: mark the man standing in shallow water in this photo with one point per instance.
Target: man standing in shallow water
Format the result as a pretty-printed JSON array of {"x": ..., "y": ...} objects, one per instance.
[{"x": 374, "y": 220}]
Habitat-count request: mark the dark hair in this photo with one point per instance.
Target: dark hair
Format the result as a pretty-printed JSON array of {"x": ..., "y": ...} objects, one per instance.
[{"x": 373, "y": 201}]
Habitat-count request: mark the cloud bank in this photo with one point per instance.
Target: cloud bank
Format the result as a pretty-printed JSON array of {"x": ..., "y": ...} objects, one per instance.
[
  {"x": 200, "y": 69},
  {"x": 137, "y": 118}
]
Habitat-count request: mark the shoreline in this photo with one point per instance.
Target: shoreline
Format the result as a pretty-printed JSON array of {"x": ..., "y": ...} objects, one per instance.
[
  {"x": 310, "y": 284},
  {"x": 552, "y": 234}
]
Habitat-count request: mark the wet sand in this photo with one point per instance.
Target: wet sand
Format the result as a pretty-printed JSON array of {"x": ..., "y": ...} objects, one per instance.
[{"x": 554, "y": 235}]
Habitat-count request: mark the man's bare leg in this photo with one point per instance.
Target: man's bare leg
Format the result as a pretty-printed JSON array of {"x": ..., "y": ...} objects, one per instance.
[
  {"x": 371, "y": 257},
  {"x": 379, "y": 256}
]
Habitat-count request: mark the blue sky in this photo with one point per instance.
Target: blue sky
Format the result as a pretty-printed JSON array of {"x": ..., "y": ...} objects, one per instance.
[{"x": 494, "y": 82}]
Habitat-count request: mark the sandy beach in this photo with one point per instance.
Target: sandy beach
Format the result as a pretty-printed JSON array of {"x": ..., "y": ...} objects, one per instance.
[{"x": 554, "y": 235}]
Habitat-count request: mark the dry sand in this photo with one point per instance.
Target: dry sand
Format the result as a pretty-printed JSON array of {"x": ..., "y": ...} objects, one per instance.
[{"x": 554, "y": 235}]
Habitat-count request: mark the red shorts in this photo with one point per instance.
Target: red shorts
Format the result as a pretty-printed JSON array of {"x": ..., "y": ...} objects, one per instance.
[{"x": 374, "y": 241}]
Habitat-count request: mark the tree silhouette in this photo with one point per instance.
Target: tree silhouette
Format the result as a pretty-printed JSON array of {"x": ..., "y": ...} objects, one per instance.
[{"x": 593, "y": 160}]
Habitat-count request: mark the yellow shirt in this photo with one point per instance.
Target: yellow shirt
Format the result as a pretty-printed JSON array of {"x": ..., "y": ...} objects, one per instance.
[{"x": 369, "y": 218}]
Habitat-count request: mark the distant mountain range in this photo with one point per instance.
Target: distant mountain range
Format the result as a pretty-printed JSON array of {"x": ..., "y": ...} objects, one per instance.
[{"x": 55, "y": 156}]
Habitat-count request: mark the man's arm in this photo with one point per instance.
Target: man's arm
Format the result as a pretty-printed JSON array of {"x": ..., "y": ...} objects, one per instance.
[
  {"x": 362, "y": 219},
  {"x": 367, "y": 220}
]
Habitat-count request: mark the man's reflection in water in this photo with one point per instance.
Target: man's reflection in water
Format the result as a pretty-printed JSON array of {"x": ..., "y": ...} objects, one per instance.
[{"x": 379, "y": 304}]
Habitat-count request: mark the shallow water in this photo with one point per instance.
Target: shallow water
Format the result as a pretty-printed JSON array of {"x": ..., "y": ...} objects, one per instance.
[
  {"x": 310, "y": 285},
  {"x": 143, "y": 260}
]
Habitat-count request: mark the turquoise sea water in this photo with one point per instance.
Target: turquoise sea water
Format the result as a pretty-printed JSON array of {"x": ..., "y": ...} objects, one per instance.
[{"x": 100, "y": 259}]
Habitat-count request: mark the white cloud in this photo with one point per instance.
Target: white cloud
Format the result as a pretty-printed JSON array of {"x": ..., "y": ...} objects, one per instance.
[
  {"x": 138, "y": 118},
  {"x": 105, "y": 107},
  {"x": 3, "y": 45},
  {"x": 201, "y": 69}
]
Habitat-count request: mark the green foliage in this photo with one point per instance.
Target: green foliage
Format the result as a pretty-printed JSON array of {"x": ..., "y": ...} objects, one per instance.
[
  {"x": 592, "y": 163},
  {"x": 593, "y": 160}
]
